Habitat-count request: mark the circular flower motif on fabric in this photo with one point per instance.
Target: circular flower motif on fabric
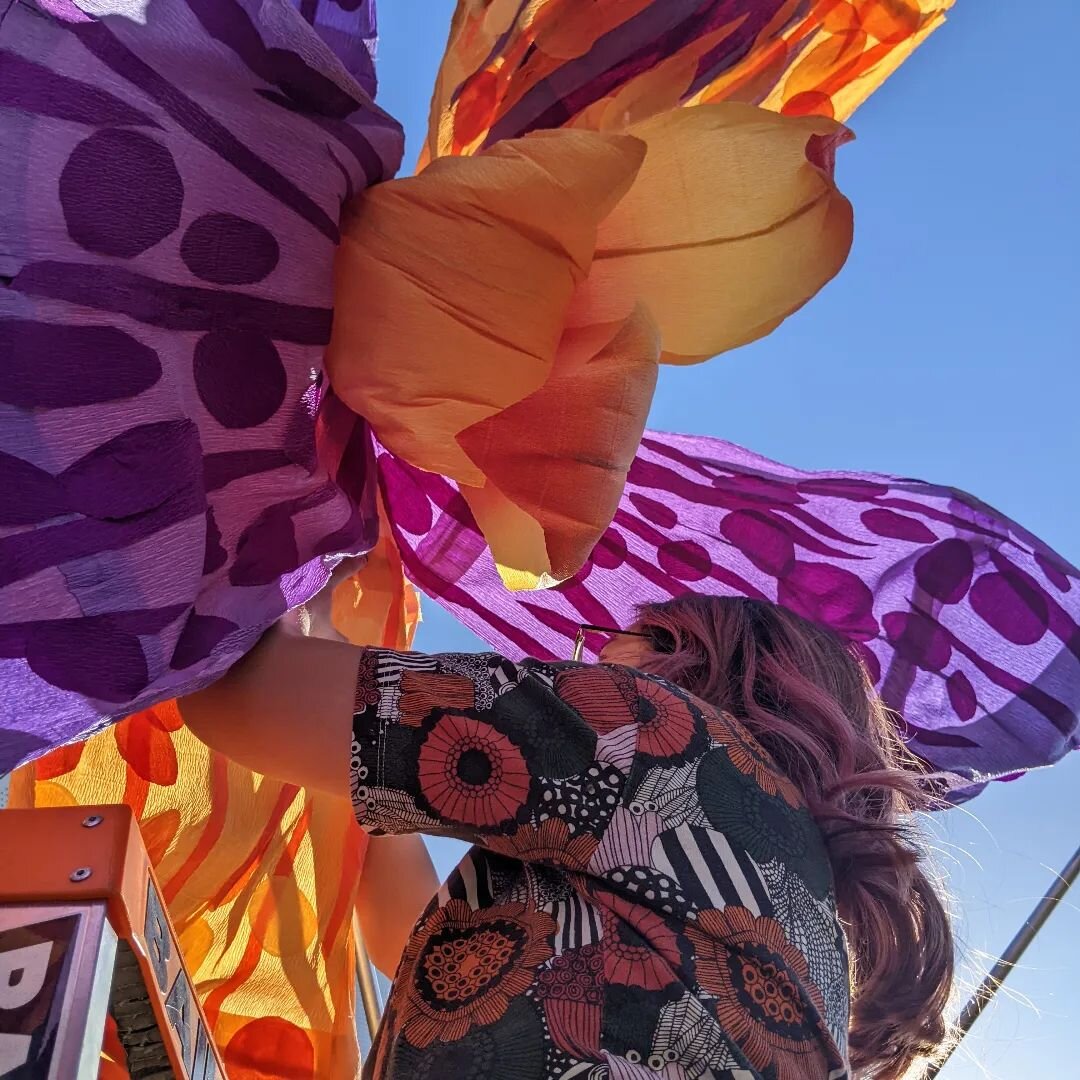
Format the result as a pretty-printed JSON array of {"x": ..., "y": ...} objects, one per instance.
[
  {"x": 764, "y": 825},
  {"x": 751, "y": 758},
  {"x": 670, "y": 728},
  {"x": 765, "y": 999},
  {"x": 470, "y": 773},
  {"x": 466, "y": 966}
]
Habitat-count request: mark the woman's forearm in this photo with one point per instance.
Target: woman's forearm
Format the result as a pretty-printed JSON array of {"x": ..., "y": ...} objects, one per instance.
[{"x": 284, "y": 710}]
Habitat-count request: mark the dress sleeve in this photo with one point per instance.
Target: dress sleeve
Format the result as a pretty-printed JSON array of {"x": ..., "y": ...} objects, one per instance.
[{"x": 523, "y": 759}]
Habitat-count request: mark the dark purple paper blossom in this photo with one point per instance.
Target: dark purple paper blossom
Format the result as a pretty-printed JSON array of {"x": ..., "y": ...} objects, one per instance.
[{"x": 179, "y": 471}]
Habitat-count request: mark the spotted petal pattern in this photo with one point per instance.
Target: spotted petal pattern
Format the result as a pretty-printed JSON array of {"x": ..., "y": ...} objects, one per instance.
[{"x": 168, "y": 248}]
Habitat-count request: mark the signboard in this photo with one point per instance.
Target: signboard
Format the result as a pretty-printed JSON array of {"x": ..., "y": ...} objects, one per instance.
[
  {"x": 85, "y": 881},
  {"x": 55, "y": 971},
  {"x": 34, "y": 961}
]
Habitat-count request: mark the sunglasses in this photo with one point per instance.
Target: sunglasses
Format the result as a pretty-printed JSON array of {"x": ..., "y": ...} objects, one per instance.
[{"x": 587, "y": 628}]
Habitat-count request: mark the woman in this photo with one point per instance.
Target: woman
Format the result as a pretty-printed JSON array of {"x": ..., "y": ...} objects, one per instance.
[{"x": 683, "y": 854}]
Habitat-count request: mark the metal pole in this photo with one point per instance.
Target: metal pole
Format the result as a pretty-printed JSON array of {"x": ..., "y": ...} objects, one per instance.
[
  {"x": 369, "y": 991},
  {"x": 1010, "y": 957}
]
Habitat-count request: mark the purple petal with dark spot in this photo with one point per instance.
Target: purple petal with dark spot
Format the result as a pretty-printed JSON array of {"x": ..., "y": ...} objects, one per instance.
[
  {"x": 227, "y": 22},
  {"x": 28, "y": 494},
  {"x": 830, "y": 595},
  {"x": 215, "y": 556},
  {"x": 656, "y": 512},
  {"x": 239, "y": 376},
  {"x": 229, "y": 465},
  {"x": 1010, "y": 707},
  {"x": 266, "y": 549},
  {"x": 229, "y": 250},
  {"x": 888, "y": 523},
  {"x": 762, "y": 538},
  {"x": 350, "y": 539},
  {"x": 136, "y": 471},
  {"x": 87, "y": 658},
  {"x": 1014, "y": 607},
  {"x": 961, "y": 695},
  {"x": 200, "y": 636},
  {"x": 121, "y": 193},
  {"x": 354, "y": 140},
  {"x": 944, "y": 571},
  {"x": 17, "y": 746},
  {"x": 26, "y": 553},
  {"x": 53, "y": 366},
  {"x": 685, "y": 560},
  {"x": 194, "y": 119},
  {"x": 918, "y": 639}
]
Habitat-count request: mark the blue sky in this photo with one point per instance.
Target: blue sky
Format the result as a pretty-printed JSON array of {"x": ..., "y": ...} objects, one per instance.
[{"x": 945, "y": 350}]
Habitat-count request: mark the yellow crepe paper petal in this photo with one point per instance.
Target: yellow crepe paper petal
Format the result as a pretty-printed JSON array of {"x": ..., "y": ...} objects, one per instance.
[
  {"x": 728, "y": 228},
  {"x": 515, "y": 537},
  {"x": 377, "y": 603},
  {"x": 452, "y": 286},
  {"x": 216, "y": 834},
  {"x": 877, "y": 36}
]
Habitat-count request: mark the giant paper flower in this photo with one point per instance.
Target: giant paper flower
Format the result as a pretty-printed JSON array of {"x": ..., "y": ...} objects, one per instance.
[
  {"x": 671, "y": 729},
  {"x": 500, "y": 318}
]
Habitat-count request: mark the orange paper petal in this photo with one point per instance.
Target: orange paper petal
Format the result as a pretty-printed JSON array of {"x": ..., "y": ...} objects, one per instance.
[
  {"x": 452, "y": 286},
  {"x": 376, "y": 605},
  {"x": 507, "y": 64},
  {"x": 560, "y": 456},
  {"x": 728, "y": 228}
]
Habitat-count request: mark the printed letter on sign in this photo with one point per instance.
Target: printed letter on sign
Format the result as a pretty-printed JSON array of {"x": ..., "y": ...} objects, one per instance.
[{"x": 32, "y": 963}]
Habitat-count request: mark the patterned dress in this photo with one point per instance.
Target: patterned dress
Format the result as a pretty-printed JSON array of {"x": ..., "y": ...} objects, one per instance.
[{"x": 647, "y": 895}]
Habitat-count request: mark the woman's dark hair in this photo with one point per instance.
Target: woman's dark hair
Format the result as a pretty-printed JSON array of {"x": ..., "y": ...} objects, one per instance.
[{"x": 803, "y": 694}]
